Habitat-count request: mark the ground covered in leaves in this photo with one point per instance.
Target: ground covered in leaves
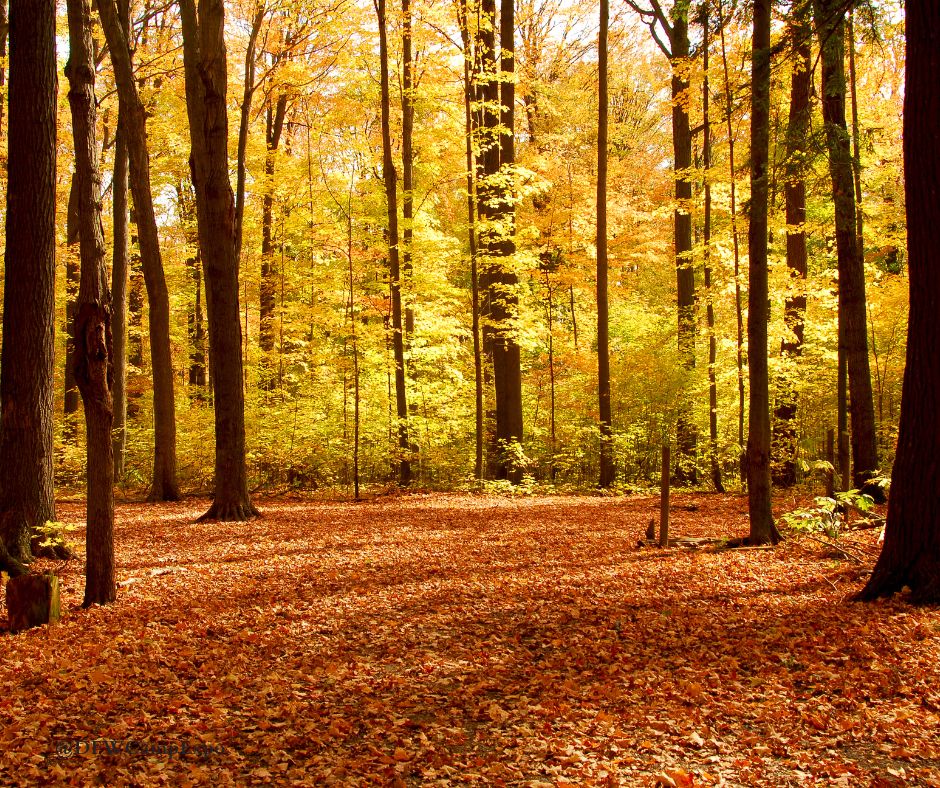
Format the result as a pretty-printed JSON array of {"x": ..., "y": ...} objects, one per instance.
[{"x": 439, "y": 640}]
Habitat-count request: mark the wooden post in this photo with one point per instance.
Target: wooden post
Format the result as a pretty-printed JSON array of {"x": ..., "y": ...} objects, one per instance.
[
  {"x": 664, "y": 499},
  {"x": 831, "y": 459},
  {"x": 32, "y": 600}
]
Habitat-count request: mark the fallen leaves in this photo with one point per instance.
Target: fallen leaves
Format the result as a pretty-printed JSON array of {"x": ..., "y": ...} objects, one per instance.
[{"x": 452, "y": 639}]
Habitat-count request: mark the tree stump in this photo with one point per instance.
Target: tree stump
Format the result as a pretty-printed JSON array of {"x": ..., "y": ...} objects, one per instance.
[{"x": 32, "y": 600}]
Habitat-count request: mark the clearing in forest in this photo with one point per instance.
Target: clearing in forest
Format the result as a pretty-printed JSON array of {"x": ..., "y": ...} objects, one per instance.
[{"x": 442, "y": 639}]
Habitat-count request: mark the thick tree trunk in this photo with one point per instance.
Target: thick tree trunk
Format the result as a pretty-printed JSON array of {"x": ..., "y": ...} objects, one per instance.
[
  {"x": 603, "y": 315},
  {"x": 164, "y": 486},
  {"x": 93, "y": 343},
  {"x": 496, "y": 209},
  {"x": 911, "y": 553},
  {"x": 830, "y": 28},
  {"x": 784, "y": 441},
  {"x": 206, "y": 83},
  {"x": 26, "y": 371},
  {"x": 394, "y": 269},
  {"x": 686, "y": 471},
  {"x": 758, "y": 440}
]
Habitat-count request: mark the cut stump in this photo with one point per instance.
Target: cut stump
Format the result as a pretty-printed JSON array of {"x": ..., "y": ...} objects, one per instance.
[{"x": 32, "y": 600}]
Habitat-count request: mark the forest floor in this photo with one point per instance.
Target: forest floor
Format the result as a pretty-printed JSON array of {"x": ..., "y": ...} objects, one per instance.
[{"x": 452, "y": 639}]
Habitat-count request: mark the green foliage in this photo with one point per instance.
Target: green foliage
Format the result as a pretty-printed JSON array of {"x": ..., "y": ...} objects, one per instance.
[{"x": 827, "y": 516}]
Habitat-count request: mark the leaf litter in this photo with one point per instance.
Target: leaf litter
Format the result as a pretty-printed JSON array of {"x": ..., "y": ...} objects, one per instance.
[{"x": 435, "y": 639}]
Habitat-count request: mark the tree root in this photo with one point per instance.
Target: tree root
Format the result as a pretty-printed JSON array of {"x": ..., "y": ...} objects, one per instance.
[{"x": 230, "y": 512}]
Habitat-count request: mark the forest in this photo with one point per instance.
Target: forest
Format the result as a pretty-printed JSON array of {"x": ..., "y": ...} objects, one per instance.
[{"x": 430, "y": 307}]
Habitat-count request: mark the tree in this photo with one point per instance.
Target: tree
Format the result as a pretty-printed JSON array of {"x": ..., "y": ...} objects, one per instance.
[
  {"x": 675, "y": 46},
  {"x": 794, "y": 190},
  {"x": 394, "y": 268},
  {"x": 496, "y": 211},
  {"x": 206, "y": 84},
  {"x": 758, "y": 438},
  {"x": 163, "y": 486},
  {"x": 93, "y": 362},
  {"x": 911, "y": 553},
  {"x": 603, "y": 315},
  {"x": 26, "y": 376},
  {"x": 853, "y": 324}
]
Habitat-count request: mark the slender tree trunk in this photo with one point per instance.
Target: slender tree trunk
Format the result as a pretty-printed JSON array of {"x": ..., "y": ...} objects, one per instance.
[
  {"x": 93, "y": 349},
  {"x": 4, "y": 30},
  {"x": 407, "y": 163},
  {"x": 206, "y": 75},
  {"x": 603, "y": 315},
  {"x": 830, "y": 29},
  {"x": 784, "y": 442},
  {"x": 391, "y": 196},
  {"x": 120, "y": 270},
  {"x": 26, "y": 359},
  {"x": 70, "y": 395},
  {"x": 164, "y": 486},
  {"x": 856, "y": 141},
  {"x": 758, "y": 441},
  {"x": 275, "y": 113},
  {"x": 707, "y": 233},
  {"x": 739, "y": 317},
  {"x": 468, "y": 98},
  {"x": 248, "y": 93},
  {"x": 911, "y": 553},
  {"x": 686, "y": 471}
]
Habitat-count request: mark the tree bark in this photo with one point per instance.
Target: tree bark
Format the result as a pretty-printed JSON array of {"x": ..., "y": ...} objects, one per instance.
[
  {"x": 120, "y": 271},
  {"x": 758, "y": 440},
  {"x": 26, "y": 360},
  {"x": 707, "y": 236},
  {"x": 407, "y": 163},
  {"x": 911, "y": 553},
  {"x": 830, "y": 28},
  {"x": 394, "y": 269},
  {"x": 784, "y": 441},
  {"x": 206, "y": 84},
  {"x": 275, "y": 112},
  {"x": 163, "y": 486},
  {"x": 603, "y": 314},
  {"x": 93, "y": 363}
]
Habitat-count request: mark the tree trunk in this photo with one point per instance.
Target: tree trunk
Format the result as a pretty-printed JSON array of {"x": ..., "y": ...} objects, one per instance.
[
  {"x": 495, "y": 200},
  {"x": 274, "y": 127},
  {"x": 4, "y": 30},
  {"x": 709, "y": 296},
  {"x": 686, "y": 433},
  {"x": 206, "y": 75},
  {"x": 407, "y": 163},
  {"x": 911, "y": 553},
  {"x": 830, "y": 28},
  {"x": 93, "y": 363},
  {"x": 469, "y": 57},
  {"x": 26, "y": 360},
  {"x": 164, "y": 486},
  {"x": 784, "y": 442},
  {"x": 394, "y": 271},
  {"x": 758, "y": 440},
  {"x": 70, "y": 398},
  {"x": 603, "y": 315},
  {"x": 120, "y": 269}
]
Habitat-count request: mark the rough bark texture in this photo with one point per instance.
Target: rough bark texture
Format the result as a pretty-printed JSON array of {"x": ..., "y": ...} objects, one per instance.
[
  {"x": 911, "y": 554},
  {"x": 32, "y": 601},
  {"x": 830, "y": 28},
  {"x": 603, "y": 315},
  {"x": 70, "y": 398},
  {"x": 394, "y": 268},
  {"x": 758, "y": 439},
  {"x": 784, "y": 443},
  {"x": 496, "y": 209},
  {"x": 206, "y": 75},
  {"x": 93, "y": 342},
  {"x": 26, "y": 375},
  {"x": 163, "y": 486}
]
